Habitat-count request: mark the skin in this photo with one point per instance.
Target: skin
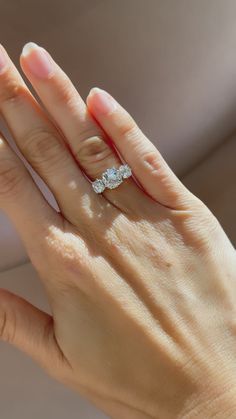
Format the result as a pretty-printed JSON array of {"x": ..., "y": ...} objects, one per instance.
[{"x": 140, "y": 279}]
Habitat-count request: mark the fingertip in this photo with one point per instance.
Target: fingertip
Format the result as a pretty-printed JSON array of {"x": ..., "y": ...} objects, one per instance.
[
  {"x": 95, "y": 90},
  {"x": 37, "y": 61},
  {"x": 101, "y": 102}
]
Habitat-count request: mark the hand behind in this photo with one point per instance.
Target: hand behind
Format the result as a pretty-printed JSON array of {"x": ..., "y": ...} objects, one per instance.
[{"x": 140, "y": 279}]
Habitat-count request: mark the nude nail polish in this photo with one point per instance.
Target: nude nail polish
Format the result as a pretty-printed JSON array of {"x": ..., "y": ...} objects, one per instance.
[
  {"x": 101, "y": 101},
  {"x": 38, "y": 60}
]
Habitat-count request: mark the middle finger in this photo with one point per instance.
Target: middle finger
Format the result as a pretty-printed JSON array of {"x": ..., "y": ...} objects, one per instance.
[{"x": 41, "y": 143}]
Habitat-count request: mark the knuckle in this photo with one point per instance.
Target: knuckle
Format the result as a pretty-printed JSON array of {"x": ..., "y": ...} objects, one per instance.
[
  {"x": 93, "y": 150},
  {"x": 42, "y": 147},
  {"x": 63, "y": 253},
  {"x": 10, "y": 178},
  {"x": 152, "y": 161},
  {"x": 74, "y": 266},
  {"x": 198, "y": 226},
  {"x": 129, "y": 128}
]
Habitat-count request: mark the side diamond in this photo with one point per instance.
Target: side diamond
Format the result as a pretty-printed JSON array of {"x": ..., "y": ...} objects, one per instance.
[
  {"x": 98, "y": 186},
  {"x": 125, "y": 171}
]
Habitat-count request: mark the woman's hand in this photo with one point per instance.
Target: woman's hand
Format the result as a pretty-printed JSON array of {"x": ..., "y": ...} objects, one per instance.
[{"x": 141, "y": 279}]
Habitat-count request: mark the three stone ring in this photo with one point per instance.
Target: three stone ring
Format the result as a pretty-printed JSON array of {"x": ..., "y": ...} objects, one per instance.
[{"x": 112, "y": 178}]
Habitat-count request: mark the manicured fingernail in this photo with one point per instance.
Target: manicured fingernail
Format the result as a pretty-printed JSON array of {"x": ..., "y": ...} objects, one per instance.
[
  {"x": 39, "y": 62},
  {"x": 3, "y": 59},
  {"x": 101, "y": 101}
]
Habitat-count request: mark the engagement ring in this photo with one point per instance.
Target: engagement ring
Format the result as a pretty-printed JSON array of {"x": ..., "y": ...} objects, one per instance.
[{"x": 112, "y": 178}]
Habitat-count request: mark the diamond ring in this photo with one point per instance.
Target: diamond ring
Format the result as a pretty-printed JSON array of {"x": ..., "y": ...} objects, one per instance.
[{"x": 112, "y": 178}]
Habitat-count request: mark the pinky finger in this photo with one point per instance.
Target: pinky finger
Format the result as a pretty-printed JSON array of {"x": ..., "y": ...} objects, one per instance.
[{"x": 148, "y": 165}]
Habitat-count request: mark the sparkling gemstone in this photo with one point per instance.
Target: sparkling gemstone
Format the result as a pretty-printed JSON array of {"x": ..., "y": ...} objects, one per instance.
[
  {"x": 125, "y": 171},
  {"x": 98, "y": 186},
  {"x": 112, "y": 178}
]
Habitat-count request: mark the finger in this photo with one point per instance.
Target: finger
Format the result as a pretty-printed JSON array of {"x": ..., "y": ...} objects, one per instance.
[
  {"x": 30, "y": 330},
  {"x": 68, "y": 110},
  {"x": 22, "y": 201},
  {"x": 148, "y": 165},
  {"x": 39, "y": 140}
]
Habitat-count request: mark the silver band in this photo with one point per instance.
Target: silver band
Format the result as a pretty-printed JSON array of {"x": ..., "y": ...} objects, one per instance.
[{"x": 112, "y": 178}]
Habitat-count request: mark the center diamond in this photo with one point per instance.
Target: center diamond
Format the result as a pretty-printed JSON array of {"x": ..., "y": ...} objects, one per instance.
[{"x": 112, "y": 178}]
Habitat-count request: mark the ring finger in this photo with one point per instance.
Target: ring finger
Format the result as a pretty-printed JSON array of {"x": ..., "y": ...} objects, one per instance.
[{"x": 87, "y": 141}]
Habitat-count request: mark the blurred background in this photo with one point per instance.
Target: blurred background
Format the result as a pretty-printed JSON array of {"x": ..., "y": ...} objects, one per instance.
[{"x": 173, "y": 66}]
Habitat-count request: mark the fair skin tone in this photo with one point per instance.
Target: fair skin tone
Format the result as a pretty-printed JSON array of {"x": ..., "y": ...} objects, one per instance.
[{"x": 141, "y": 279}]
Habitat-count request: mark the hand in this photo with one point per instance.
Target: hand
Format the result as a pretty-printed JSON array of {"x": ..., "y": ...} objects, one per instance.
[{"x": 140, "y": 279}]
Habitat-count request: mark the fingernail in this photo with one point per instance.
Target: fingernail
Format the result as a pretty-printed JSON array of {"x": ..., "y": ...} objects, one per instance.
[
  {"x": 101, "y": 101},
  {"x": 3, "y": 59},
  {"x": 39, "y": 62}
]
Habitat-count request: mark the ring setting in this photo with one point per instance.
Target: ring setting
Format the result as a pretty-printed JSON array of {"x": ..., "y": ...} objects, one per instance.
[{"x": 112, "y": 178}]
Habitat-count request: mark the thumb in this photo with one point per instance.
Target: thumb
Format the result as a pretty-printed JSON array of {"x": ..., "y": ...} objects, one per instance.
[{"x": 30, "y": 330}]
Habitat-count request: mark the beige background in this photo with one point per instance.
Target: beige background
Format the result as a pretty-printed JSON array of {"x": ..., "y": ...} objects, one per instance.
[{"x": 173, "y": 65}]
